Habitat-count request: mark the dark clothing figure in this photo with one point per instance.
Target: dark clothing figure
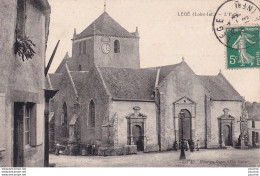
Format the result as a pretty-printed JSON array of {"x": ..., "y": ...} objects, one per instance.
[
  {"x": 175, "y": 146},
  {"x": 89, "y": 149},
  {"x": 191, "y": 143}
]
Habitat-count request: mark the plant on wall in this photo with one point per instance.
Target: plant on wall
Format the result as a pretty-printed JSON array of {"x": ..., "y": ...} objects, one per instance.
[{"x": 24, "y": 47}]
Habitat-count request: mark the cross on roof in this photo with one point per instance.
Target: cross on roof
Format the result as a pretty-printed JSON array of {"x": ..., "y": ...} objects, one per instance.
[
  {"x": 105, "y": 5},
  {"x": 240, "y": 121}
]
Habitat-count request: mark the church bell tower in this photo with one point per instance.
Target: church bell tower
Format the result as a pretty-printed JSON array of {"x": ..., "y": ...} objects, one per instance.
[{"x": 106, "y": 44}]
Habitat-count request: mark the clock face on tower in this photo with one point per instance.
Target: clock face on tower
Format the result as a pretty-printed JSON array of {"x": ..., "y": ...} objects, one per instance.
[{"x": 105, "y": 48}]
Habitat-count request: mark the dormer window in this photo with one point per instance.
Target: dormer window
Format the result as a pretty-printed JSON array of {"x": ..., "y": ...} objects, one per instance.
[{"x": 117, "y": 46}]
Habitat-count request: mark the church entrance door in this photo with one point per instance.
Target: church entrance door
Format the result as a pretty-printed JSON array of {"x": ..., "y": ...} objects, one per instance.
[
  {"x": 227, "y": 135},
  {"x": 185, "y": 126},
  {"x": 138, "y": 137}
]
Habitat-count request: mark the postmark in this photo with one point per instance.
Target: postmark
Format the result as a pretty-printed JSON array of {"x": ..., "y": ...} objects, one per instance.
[{"x": 236, "y": 26}]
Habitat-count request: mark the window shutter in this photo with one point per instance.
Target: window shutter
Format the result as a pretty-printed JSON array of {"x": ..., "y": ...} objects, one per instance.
[{"x": 33, "y": 126}]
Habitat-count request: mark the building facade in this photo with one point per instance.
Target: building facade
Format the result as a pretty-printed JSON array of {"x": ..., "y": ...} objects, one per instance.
[
  {"x": 118, "y": 104},
  {"x": 23, "y": 33},
  {"x": 253, "y": 123}
]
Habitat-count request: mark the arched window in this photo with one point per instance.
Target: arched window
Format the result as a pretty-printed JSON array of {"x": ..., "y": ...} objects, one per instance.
[
  {"x": 64, "y": 118},
  {"x": 117, "y": 46},
  {"x": 92, "y": 114}
]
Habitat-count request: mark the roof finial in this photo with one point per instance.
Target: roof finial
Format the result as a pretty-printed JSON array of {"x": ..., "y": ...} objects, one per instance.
[
  {"x": 105, "y": 5},
  {"x": 219, "y": 70},
  {"x": 182, "y": 59}
]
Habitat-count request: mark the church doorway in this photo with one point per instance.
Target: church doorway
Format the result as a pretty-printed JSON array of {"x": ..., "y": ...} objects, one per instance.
[
  {"x": 227, "y": 135},
  {"x": 185, "y": 125},
  {"x": 138, "y": 137}
]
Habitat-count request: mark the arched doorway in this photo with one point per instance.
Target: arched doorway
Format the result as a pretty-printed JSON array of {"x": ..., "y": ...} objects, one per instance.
[
  {"x": 185, "y": 125},
  {"x": 227, "y": 133},
  {"x": 138, "y": 137}
]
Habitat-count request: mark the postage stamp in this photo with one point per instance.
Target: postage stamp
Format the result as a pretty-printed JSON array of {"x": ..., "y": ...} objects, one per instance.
[
  {"x": 243, "y": 46},
  {"x": 236, "y": 25}
]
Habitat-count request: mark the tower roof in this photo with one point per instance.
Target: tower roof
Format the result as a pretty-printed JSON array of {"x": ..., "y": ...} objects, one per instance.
[{"x": 105, "y": 25}]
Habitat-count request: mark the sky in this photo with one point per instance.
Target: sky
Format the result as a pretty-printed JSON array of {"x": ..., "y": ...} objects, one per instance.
[{"x": 165, "y": 36}]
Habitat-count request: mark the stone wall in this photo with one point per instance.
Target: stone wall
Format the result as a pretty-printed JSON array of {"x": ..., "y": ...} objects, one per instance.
[
  {"x": 93, "y": 90},
  {"x": 85, "y": 60},
  {"x": 21, "y": 81},
  {"x": 235, "y": 110},
  {"x": 66, "y": 95},
  {"x": 182, "y": 82},
  {"x": 125, "y": 108},
  {"x": 128, "y": 57}
]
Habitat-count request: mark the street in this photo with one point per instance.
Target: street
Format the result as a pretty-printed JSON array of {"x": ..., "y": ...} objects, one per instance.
[{"x": 202, "y": 158}]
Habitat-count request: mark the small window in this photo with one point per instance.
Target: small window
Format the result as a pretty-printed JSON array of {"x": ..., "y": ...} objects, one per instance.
[
  {"x": 79, "y": 67},
  {"x": 27, "y": 119},
  {"x": 84, "y": 47},
  {"x": 256, "y": 137},
  {"x": 27, "y": 112},
  {"x": 253, "y": 124},
  {"x": 117, "y": 46},
  {"x": 92, "y": 113},
  {"x": 21, "y": 16}
]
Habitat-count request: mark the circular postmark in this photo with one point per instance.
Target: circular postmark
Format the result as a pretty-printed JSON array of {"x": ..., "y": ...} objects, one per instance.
[{"x": 231, "y": 23}]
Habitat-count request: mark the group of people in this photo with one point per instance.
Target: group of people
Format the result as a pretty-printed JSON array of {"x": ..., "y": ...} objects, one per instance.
[
  {"x": 91, "y": 149},
  {"x": 187, "y": 144}
]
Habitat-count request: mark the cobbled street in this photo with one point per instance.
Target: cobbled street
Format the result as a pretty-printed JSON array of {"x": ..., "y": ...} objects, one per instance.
[{"x": 202, "y": 158}]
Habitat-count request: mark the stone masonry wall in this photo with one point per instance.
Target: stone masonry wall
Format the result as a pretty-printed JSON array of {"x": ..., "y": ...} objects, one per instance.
[
  {"x": 235, "y": 110},
  {"x": 182, "y": 82},
  {"x": 128, "y": 57},
  {"x": 21, "y": 81},
  {"x": 123, "y": 109}
]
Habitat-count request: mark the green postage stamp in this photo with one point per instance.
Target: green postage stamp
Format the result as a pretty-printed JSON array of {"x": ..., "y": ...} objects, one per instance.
[{"x": 243, "y": 47}]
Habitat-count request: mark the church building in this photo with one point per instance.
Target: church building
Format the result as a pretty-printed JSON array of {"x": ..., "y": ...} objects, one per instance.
[{"x": 106, "y": 99}]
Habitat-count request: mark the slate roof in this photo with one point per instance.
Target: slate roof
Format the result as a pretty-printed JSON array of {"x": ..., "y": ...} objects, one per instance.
[
  {"x": 62, "y": 64},
  {"x": 80, "y": 80},
  {"x": 55, "y": 79},
  {"x": 165, "y": 70},
  {"x": 129, "y": 83},
  {"x": 255, "y": 118},
  {"x": 104, "y": 25},
  {"x": 220, "y": 88}
]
